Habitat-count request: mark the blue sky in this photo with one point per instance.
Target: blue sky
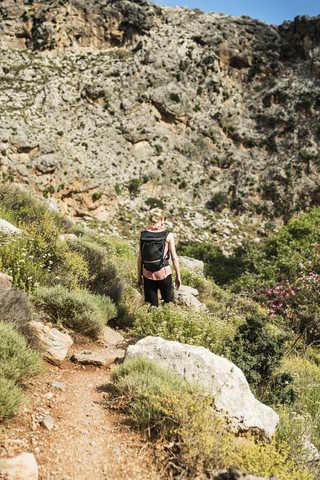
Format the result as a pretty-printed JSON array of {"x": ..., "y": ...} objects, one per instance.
[{"x": 271, "y": 11}]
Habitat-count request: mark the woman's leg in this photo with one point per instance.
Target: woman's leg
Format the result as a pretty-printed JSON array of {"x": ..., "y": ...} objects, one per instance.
[
  {"x": 165, "y": 286},
  {"x": 151, "y": 291}
]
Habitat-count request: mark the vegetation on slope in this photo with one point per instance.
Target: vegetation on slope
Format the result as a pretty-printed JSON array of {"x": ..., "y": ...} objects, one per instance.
[
  {"x": 280, "y": 360},
  {"x": 17, "y": 362},
  {"x": 165, "y": 407},
  {"x": 79, "y": 310}
]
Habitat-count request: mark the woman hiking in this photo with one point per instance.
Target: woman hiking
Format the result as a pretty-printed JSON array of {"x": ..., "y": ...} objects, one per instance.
[{"x": 156, "y": 246}]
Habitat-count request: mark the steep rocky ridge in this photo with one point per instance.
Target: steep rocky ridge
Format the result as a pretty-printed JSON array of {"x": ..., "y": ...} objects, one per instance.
[{"x": 105, "y": 103}]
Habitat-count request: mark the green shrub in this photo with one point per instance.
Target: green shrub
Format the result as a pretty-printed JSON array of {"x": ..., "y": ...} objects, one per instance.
[
  {"x": 134, "y": 185},
  {"x": 11, "y": 398},
  {"x": 293, "y": 430},
  {"x": 219, "y": 201},
  {"x": 301, "y": 421},
  {"x": 131, "y": 301},
  {"x": 116, "y": 247},
  {"x": 183, "y": 65},
  {"x": 258, "y": 350},
  {"x": 277, "y": 259},
  {"x": 208, "y": 290},
  {"x": 17, "y": 206},
  {"x": 175, "y": 97},
  {"x": 17, "y": 363},
  {"x": 172, "y": 322},
  {"x": 118, "y": 189},
  {"x": 122, "y": 259},
  {"x": 49, "y": 189},
  {"x": 206, "y": 445},
  {"x": 297, "y": 301},
  {"x": 96, "y": 196},
  {"x": 15, "y": 308},
  {"x": 155, "y": 203},
  {"x": 105, "y": 275},
  {"x": 94, "y": 254},
  {"x": 270, "y": 191},
  {"x": 222, "y": 269},
  {"x": 306, "y": 374},
  {"x": 159, "y": 149},
  {"x": 17, "y": 360},
  {"x": 79, "y": 310},
  {"x": 193, "y": 279},
  {"x": 39, "y": 257},
  {"x": 139, "y": 380}
]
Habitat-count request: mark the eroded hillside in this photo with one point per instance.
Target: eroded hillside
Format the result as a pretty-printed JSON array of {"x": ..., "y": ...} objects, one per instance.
[{"x": 105, "y": 104}]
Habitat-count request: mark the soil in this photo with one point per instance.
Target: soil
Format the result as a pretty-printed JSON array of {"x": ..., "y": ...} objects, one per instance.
[{"x": 87, "y": 441}]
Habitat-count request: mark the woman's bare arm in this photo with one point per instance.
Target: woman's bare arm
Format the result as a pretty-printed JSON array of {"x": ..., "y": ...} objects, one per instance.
[
  {"x": 175, "y": 261},
  {"x": 139, "y": 282}
]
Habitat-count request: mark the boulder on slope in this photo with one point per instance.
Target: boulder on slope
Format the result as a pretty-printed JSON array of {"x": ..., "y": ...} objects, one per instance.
[
  {"x": 215, "y": 375},
  {"x": 52, "y": 343},
  {"x": 186, "y": 296}
]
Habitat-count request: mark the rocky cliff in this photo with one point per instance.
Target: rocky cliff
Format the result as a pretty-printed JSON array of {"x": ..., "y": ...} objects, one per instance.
[{"x": 107, "y": 103}]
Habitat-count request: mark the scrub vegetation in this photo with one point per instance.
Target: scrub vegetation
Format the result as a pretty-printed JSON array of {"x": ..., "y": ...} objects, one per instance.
[{"x": 262, "y": 313}]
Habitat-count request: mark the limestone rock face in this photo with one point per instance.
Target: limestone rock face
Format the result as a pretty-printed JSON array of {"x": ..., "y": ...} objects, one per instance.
[
  {"x": 23, "y": 467},
  {"x": 50, "y": 341},
  {"x": 208, "y": 112},
  {"x": 217, "y": 376},
  {"x": 303, "y": 35},
  {"x": 98, "y": 24}
]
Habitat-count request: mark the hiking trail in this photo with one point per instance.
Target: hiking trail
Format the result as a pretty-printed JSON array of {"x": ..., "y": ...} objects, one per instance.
[{"x": 87, "y": 440}]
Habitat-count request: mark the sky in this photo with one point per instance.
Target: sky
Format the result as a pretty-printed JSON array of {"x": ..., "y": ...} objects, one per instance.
[{"x": 269, "y": 11}]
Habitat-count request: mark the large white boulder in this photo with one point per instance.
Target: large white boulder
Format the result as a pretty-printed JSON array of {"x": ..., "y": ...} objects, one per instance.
[
  {"x": 216, "y": 376},
  {"x": 50, "y": 341},
  {"x": 23, "y": 467}
]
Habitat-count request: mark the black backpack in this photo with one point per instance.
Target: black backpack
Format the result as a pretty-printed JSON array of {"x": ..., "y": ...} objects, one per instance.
[{"x": 152, "y": 247}]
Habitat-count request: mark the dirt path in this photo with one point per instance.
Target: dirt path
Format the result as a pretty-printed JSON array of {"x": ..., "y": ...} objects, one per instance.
[{"x": 87, "y": 441}]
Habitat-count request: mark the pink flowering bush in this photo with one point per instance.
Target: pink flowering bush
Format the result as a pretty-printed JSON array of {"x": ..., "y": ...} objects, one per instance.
[{"x": 298, "y": 301}]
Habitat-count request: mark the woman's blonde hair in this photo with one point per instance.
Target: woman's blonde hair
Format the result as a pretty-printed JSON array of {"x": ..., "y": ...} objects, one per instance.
[{"x": 155, "y": 215}]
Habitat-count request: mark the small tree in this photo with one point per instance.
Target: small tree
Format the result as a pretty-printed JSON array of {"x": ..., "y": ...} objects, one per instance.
[{"x": 134, "y": 185}]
